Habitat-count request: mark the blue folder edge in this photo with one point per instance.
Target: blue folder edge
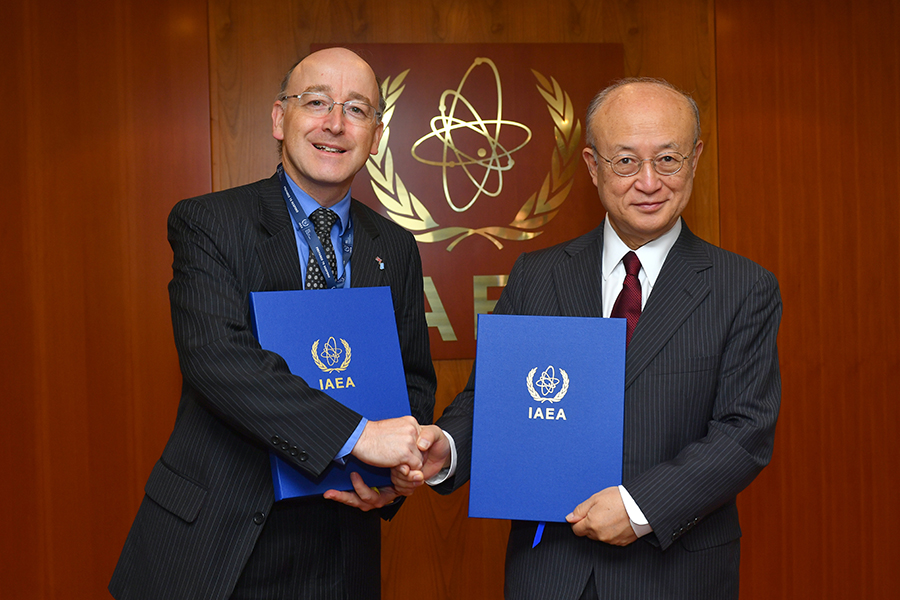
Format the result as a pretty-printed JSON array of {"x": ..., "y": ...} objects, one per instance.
[{"x": 289, "y": 322}]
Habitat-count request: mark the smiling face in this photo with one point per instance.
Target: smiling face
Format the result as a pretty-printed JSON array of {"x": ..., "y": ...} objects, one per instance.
[
  {"x": 643, "y": 120},
  {"x": 322, "y": 154}
]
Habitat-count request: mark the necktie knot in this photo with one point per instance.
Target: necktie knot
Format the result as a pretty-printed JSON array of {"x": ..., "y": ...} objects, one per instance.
[
  {"x": 323, "y": 220},
  {"x": 632, "y": 264}
]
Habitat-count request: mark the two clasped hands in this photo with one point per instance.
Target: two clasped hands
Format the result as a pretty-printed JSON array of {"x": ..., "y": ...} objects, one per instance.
[
  {"x": 416, "y": 453},
  {"x": 413, "y": 452}
]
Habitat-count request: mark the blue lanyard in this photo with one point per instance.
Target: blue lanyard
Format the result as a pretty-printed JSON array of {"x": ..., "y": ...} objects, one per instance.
[{"x": 315, "y": 244}]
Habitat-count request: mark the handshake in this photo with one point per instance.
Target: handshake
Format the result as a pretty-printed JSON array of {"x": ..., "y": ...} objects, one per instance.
[{"x": 413, "y": 452}]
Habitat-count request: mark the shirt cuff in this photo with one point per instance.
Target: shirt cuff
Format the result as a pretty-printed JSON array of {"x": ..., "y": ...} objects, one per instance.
[
  {"x": 341, "y": 457},
  {"x": 445, "y": 474},
  {"x": 639, "y": 522}
]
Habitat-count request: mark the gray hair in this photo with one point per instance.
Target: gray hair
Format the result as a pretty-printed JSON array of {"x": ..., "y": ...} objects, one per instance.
[{"x": 604, "y": 94}]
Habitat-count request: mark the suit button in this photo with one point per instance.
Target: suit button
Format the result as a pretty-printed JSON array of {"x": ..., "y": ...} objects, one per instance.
[
  {"x": 302, "y": 456},
  {"x": 259, "y": 518},
  {"x": 696, "y": 520},
  {"x": 674, "y": 535},
  {"x": 284, "y": 446},
  {"x": 276, "y": 440},
  {"x": 295, "y": 451}
]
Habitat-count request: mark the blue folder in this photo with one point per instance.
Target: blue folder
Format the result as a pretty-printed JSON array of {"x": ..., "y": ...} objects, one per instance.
[
  {"x": 345, "y": 343},
  {"x": 548, "y": 416}
]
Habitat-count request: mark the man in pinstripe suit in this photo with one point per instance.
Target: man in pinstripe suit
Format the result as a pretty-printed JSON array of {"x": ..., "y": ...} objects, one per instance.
[
  {"x": 702, "y": 383},
  {"x": 208, "y": 526}
]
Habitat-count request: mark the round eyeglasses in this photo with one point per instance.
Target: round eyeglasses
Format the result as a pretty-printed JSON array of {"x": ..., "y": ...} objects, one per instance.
[
  {"x": 319, "y": 105},
  {"x": 628, "y": 165}
]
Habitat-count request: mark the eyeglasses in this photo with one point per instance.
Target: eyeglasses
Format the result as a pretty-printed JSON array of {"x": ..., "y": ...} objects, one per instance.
[
  {"x": 628, "y": 165},
  {"x": 319, "y": 105}
]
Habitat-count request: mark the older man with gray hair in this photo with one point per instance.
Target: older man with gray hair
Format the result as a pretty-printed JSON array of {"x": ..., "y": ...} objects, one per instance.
[{"x": 702, "y": 382}]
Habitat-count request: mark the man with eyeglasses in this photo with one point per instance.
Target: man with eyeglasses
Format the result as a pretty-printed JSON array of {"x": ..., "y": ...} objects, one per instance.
[
  {"x": 208, "y": 526},
  {"x": 702, "y": 383}
]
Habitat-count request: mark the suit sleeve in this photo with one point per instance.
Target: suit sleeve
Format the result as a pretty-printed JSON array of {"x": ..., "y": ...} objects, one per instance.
[
  {"x": 222, "y": 364},
  {"x": 707, "y": 473}
]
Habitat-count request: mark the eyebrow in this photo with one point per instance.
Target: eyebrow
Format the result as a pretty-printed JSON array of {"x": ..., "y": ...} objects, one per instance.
[
  {"x": 326, "y": 89},
  {"x": 661, "y": 148}
]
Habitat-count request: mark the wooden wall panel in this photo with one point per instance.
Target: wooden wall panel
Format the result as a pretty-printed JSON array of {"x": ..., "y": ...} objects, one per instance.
[
  {"x": 105, "y": 124},
  {"x": 431, "y": 549},
  {"x": 809, "y": 129},
  {"x": 19, "y": 570}
]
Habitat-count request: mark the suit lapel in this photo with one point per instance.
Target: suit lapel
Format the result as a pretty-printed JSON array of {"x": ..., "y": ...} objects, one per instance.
[
  {"x": 680, "y": 288},
  {"x": 277, "y": 253},
  {"x": 365, "y": 270},
  {"x": 578, "y": 280}
]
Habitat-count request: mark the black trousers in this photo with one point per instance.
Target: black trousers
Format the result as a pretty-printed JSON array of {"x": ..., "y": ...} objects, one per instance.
[
  {"x": 590, "y": 590},
  {"x": 314, "y": 549}
]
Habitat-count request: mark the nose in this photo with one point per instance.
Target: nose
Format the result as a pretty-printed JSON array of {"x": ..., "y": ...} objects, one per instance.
[
  {"x": 334, "y": 120},
  {"x": 648, "y": 180}
]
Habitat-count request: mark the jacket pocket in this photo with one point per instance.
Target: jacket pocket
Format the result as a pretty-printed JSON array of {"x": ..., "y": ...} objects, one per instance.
[{"x": 178, "y": 495}]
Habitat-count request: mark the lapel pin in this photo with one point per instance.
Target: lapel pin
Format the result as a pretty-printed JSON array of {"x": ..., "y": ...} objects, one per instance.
[{"x": 380, "y": 263}]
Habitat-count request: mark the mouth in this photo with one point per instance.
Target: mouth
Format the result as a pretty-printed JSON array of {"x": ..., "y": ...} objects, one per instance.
[{"x": 328, "y": 149}]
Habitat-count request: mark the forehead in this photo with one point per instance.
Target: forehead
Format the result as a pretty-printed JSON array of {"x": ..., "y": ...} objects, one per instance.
[
  {"x": 644, "y": 116},
  {"x": 336, "y": 72}
]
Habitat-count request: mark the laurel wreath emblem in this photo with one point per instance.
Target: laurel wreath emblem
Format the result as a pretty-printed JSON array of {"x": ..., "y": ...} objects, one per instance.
[
  {"x": 559, "y": 395},
  {"x": 405, "y": 209},
  {"x": 321, "y": 365}
]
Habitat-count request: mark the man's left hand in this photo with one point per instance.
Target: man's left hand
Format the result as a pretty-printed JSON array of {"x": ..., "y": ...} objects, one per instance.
[
  {"x": 363, "y": 497},
  {"x": 602, "y": 517}
]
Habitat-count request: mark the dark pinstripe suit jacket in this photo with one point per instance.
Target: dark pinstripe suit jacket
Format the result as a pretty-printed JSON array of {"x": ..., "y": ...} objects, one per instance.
[
  {"x": 211, "y": 491},
  {"x": 702, "y": 392}
]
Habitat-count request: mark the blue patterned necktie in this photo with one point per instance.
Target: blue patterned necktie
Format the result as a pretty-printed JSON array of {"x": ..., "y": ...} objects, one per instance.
[
  {"x": 322, "y": 220},
  {"x": 628, "y": 304}
]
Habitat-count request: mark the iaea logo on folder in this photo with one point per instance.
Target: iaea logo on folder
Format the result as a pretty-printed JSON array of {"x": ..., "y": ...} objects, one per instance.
[
  {"x": 331, "y": 355},
  {"x": 547, "y": 383}
]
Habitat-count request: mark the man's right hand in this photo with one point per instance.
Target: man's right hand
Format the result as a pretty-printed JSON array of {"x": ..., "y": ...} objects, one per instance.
[
  {"x": 435, "y": 451},
  {"x": 390, "y": 443}
]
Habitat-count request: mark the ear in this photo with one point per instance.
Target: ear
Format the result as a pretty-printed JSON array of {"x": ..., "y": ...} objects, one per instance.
[
  {"x": 278, "y": 120},
  {"x": 697, "y": 150},
  {"x": 376, "y": 139},
  {"x": 591, "y": 161}
]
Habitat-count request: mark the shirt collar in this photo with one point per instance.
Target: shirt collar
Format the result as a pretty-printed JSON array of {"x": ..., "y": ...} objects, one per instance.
[
  {"x": 308, "y": 204},
  {"x": 652, "y": 254}
]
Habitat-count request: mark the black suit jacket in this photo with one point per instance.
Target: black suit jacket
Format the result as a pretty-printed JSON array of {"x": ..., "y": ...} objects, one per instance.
[
  {"x": 702, "y": 392},
  {"x": 210, "y": 493}
]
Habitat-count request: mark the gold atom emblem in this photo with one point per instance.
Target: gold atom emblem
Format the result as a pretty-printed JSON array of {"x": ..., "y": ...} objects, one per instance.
[{"x": 494, "y": 160}]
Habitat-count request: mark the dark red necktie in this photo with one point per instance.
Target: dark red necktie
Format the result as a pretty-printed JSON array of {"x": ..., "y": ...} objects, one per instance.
[{"x": 628, "y": 304}]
